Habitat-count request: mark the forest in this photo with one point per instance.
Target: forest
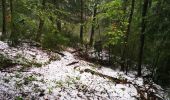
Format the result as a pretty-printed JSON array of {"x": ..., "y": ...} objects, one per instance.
[{"x": 84, "y": 49}]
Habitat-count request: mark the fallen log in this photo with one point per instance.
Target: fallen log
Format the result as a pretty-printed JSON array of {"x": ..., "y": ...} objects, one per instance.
[
  {"x": 11, "y": 71},
  {"x": 75, "y": 62},
  {"x": 59, "y": 53},
  {"x": 144, "y": 93},
  {"x": 78, "y": 50},
  {"x": 116, "y": 80}
]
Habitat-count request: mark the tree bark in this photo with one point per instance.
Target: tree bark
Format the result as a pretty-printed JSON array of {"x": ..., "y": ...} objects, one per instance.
[
  {"x": 58, "y": 22},
  {"x": 81, "y": 26},
  {"x": 93, "y": 25},
  {"x": 4, "y": 18},
  {"x": 12, "y": 21},
  {"x": 127, "y": 34},
  {"x": 13, "y": 36},
  {"x": 142, "y": 36},
  {"x": 41, "y": 24}
]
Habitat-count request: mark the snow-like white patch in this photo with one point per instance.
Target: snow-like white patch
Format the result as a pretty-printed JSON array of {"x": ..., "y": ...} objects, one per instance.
[
  {"x": 31, "y": 54},
  {"x": 3, "y": 45},
  {"x": 58, "y": 81}
]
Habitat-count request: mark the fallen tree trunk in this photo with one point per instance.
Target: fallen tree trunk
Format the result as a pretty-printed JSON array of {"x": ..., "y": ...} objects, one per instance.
[
  {"x": 77, "y": 51},
  {"x": 116, "y": 80},
  {"x": 59, "y": 53},
  {"x": 12, "y": 71},
  {"x": 75, "y": 62},
  {"x": 144, "y": 92}
]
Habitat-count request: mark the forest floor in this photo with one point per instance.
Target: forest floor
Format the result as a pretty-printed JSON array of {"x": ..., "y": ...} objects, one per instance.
[{"x": 31, "y": 73}]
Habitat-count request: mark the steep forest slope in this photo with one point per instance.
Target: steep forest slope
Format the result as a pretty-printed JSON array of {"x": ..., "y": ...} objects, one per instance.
[{"x": 28, "y": 72}]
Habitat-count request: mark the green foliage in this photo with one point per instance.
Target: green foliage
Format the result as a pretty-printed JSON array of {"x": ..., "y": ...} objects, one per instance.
[
  {"x": 59, "y": 83},
  {"x": 19, "y": 98},
  {"x": 53, "y": 40},
  {"x": 111, "y": 12},
  {"x": 112, "y": 20},
  {"x": 5, "y": 62},
  {"x": 162, "y": 71},
  {"x": 158, "y": 41},
  {"x": 19, "y": 84},
  {"x": 29, "y": 79},
  {"x": 114, "y": 37},
  {"x": 111, "y": 9},
  {"x": 50, "y": 90}
]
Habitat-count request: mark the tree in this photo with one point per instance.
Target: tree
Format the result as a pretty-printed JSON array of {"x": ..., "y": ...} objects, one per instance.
[
  {"x": 4, "y": 17},
  {"x": 127, "y": 34},
  {"x": 12, "y": 14},
  {"x": 82, "y": 20},
  {"x": 13, "y": 36},
  {"x": 41, "y": 23},
  {"x": 57, "y": 6},
  {"x": 142, "y": 35},
  {"x": 93, "y": 25}
]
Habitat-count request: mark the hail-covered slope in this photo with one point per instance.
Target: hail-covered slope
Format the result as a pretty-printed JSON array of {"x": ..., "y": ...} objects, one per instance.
[{"x": 61, "y": 80}]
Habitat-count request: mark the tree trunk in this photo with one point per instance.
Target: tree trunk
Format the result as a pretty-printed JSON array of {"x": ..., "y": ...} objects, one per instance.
[
  {"x": 4, "y": 17},
  {"x": 124, "y": 6},
  {"x": 58, "y": 22},
  {"x": 81, "y": 26},
  {"x": 150, "y": 3},
  {"x": 59, "y": 25},
  {"x": 142, "y": 36},
  {"x": 127, "y": 34},
  {"x": 93, "y": 25},
  {"x": 158, "y": 52},
  {"x": 12, "y": 21},
  {"x": 13, "y": 36},
  {"x": 41, "y": 24}
]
